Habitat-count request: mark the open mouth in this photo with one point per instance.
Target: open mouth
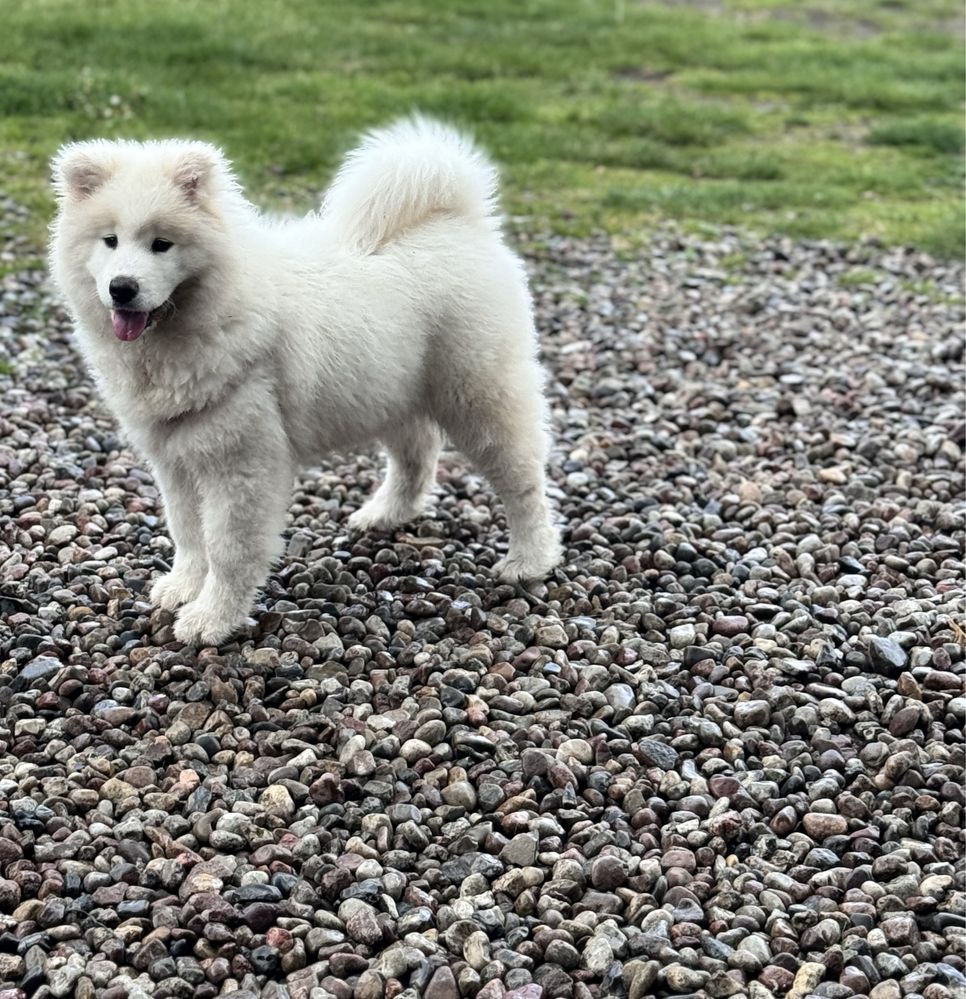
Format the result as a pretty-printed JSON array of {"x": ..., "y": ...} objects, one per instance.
[{"x": 129, "y": 325}]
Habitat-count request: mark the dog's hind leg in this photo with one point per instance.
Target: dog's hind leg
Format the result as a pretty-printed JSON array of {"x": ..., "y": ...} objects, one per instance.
[
  {"x": 413, "y": 447},
  {"x": 499, "y": 422}
]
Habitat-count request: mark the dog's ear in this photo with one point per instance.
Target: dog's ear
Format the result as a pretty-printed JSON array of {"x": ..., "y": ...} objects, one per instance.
[
  {"x": 80, "y": 168},
  {"x": 196, "y": 169}
]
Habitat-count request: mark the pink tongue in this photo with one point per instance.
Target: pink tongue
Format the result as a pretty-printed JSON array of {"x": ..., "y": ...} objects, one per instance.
[{"x": 129, "y": 325}]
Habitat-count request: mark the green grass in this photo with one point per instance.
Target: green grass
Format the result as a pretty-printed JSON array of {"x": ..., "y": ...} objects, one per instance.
[
  {"x": 864, "y": 279},
  {"x": 29, "y": 262},
  {"x": 857, "y": 277},
  {"x": 928, "y": 289},
  {"x": 831, "y": 118},
  {"x": 926, "y": 134}
]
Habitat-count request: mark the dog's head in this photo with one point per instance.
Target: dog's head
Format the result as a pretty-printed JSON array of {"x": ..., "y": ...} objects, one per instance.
[{"x": 139, "y": 219}]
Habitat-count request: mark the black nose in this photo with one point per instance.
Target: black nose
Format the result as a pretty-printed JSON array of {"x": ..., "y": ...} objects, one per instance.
[{"x": 123, "y": 290}]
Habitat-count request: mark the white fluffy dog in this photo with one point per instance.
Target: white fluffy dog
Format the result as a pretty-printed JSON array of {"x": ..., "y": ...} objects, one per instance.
[{"x": 233, "y": 349}]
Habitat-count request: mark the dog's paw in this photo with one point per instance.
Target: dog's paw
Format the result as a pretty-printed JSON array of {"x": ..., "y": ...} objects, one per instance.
[
  {"x": 521, "y": 566},
  {"x": 377, "y": 515},
  {"x": 199, "y": 624},
  {"x": 173, "y": 589}
]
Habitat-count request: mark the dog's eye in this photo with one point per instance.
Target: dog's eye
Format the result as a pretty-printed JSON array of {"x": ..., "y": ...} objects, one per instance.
[
  {"x": 161, "y": 246},
  {"x": 110, "y": 242}
]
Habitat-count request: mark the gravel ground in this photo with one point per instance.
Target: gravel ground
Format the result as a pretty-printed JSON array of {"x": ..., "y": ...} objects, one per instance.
[{"x": 719, "y": 753}]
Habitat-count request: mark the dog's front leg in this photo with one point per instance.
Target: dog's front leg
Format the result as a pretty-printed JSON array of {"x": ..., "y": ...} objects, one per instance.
[
  {"x": 182, "y": 511},
  {"x": 244, "y": 499}
]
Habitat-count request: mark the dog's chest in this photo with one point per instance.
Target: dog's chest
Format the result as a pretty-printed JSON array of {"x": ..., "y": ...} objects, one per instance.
[{"x": 144, "y": 388}]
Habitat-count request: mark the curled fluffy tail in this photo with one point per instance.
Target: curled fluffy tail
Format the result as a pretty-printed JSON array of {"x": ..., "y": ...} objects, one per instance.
[{"x": 401, "y": 176}]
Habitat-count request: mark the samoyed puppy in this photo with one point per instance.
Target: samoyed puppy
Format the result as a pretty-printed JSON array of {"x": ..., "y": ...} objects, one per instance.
[{"x": 233, "y": 349}]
